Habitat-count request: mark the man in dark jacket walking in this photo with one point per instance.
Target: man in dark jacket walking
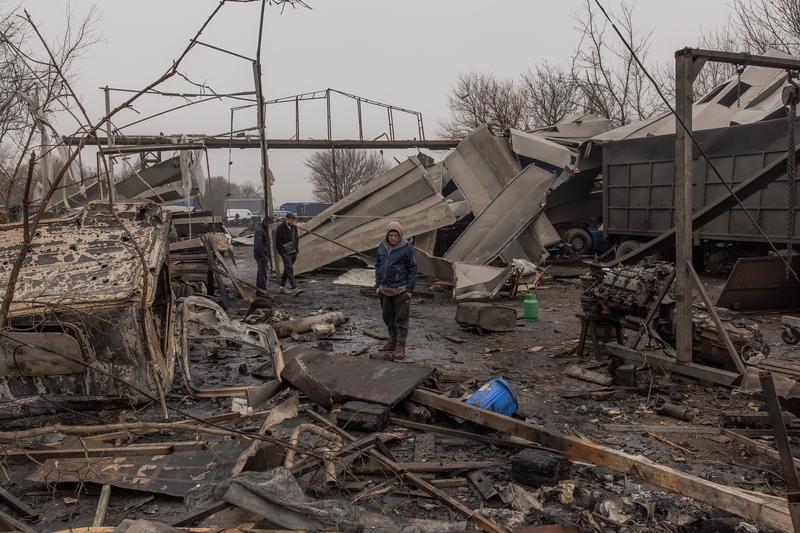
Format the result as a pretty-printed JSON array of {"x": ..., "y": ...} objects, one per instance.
[
  {"x": 395, "y": 279},
  {"x": 287, "y": 245},
  {"x": 261, "y": 247}
]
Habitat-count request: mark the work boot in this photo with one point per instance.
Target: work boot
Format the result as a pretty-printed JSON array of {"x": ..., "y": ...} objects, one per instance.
[
  {"x": 389, "y": 346},
  {"x": 399, "y": 352}
]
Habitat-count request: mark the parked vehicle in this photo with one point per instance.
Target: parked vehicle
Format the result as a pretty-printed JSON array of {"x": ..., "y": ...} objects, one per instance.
[{"x": 238, "y": 215}]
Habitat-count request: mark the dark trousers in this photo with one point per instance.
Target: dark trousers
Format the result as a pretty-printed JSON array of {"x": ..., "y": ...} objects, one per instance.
[
  {"x": 262, "y": 277},
  {"x": 395, "y": 315},
  {"x": 288, "y": 270}
]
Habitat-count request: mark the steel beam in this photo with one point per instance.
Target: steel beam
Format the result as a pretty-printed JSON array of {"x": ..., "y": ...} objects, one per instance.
[
  {"x": 273, "y": 144},
  {"x": 738, "y": 58}
]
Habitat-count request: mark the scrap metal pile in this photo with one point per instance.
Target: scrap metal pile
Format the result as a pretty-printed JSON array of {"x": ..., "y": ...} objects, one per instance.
[
  {"x": 640, "y": 298},
  {"x": 479, "y": 208}
]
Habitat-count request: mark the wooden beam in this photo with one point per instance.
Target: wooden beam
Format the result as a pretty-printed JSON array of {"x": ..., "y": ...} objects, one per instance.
[
  {"x": 102, "y": 506},
  {"x": 17, "y": 504},
  {"x": 683, "y": 207},
  {"x": 693, "y": 370},
  {"x": 723, "y": 333},
  {"x": 106, "y": 451},
  {"x": 15, "y": 524},
  {"x": 762, "y": 508}
]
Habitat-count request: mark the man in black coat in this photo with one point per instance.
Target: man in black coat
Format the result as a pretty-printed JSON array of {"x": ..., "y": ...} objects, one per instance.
[
  {"x": 261, "y": 244},
  {"x": 287, "y": 245}
]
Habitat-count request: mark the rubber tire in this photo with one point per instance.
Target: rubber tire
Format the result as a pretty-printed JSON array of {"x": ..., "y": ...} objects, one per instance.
[
  {"x": 580, "y": 235},
  {"x": 626, "y": 247},
  {"x": 790, "y": 335}
]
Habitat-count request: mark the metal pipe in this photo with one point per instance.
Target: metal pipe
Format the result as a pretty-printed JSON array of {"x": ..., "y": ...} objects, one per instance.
[{"x": 328, "y": 104}]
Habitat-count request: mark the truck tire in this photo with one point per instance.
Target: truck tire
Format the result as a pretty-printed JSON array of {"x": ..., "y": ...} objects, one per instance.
[
  {"x": 579, "y": 240},
  {"x": 626, "y": 247}
]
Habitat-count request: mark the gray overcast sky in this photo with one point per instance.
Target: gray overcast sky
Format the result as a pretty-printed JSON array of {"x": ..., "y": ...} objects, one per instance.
[{"x": 407, "y": 53}]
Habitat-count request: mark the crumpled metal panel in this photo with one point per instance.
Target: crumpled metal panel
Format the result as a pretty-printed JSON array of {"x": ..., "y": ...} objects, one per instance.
[
  {"x": 203, "y": 321},
  {"x": 358, "y": 222},
  {"x": 482, "y": 165},
  {"x": 175, "y": 474},
  {"x": 723, "y": 106},
  {"x": 508, "y": 222}
]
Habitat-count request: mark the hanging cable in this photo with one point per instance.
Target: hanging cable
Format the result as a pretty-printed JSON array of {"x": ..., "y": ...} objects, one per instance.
[{"x": 697, "y": 144}]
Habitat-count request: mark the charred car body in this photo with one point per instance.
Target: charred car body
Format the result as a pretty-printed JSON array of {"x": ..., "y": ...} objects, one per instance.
[{"x": 88, "y": 319}]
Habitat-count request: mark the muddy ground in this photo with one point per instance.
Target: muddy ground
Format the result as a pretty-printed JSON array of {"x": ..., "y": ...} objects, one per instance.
[{"x": 532, "y": 359}]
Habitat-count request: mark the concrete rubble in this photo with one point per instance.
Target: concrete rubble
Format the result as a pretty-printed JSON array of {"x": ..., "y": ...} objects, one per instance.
[{"x": 145, "y": 388}]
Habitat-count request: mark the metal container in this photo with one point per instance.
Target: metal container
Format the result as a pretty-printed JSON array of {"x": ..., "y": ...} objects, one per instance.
[{"x": 638, "y": 180}]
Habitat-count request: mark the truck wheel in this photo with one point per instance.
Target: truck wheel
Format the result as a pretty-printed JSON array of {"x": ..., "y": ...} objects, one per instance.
[
  {"x": 579, "y": 240},
  {"x": 790, "y": 335},
  {"x": 626, "y": 247}
]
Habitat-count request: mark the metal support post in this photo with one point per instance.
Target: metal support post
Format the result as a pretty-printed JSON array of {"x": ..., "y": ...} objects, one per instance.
[
  {"x": 109, "y": 137},
  {"x": 262, "y": 138},
  {"x": 391, "y": 123},
  {"x": 683, "y": 207},
  {"x": 328, "y": 103},
  {"x": 296, "y": 118},
  {"x": 360, "y": 122},
  {"x": 784, "y": 449}
]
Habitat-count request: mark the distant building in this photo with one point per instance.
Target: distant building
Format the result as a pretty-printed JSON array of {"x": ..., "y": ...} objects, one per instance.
[
  {"x": 305, "y": 209},
  {"x": 255, "y": 205}
]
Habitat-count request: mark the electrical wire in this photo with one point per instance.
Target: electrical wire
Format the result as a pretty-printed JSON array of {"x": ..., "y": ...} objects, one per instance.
[{"x": 696, "y": 143}]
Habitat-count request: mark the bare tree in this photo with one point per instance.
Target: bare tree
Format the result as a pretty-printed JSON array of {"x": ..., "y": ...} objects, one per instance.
[
  {"x": 250, "y": 189},
  {"x": 337, "y": 173},
  {"x": 482, "y": 99},
  {"x": 609, "y": 81},
  {"x": 551, "y": 94},
  {"x": 33, "y": 91},
  {"x": 763, "y": 24}
]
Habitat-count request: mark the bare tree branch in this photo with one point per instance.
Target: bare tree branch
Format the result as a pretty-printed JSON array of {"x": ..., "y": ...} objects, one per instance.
[{"x": 337, "y": 173}]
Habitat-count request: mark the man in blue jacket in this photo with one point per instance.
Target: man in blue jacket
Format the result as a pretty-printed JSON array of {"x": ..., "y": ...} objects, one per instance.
[{"x": 395, "y": 279}]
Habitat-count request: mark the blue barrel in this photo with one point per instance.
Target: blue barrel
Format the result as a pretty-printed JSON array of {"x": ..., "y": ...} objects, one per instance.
[{"x": 495, "y": 395}]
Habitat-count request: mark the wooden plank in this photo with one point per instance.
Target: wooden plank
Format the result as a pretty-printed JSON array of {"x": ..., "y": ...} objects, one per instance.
[
  {"x": 102, "y": 506},
  {"x": 693, "y": 370},
  {"x": 195, "y": 515},
  {"x": 784, "y": 447},
  {"x": 429, "y": 467},
  {"x": 15, "y": 524},
  {"x": 723, "y": 333},
  {"x": 419, "y": 426},
  {"x": 17, "y": 504},
  {"x": 107, "y": 451},
  {"x": 689, "y": 430},
  {"x": 225, "y": 417},
  {"x": 762, "y": 508}
]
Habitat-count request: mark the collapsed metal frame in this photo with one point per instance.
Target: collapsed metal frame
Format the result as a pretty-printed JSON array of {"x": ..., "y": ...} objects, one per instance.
[
  {"x": 688, "y": 64},
  {"x": 326, "y": 95}
]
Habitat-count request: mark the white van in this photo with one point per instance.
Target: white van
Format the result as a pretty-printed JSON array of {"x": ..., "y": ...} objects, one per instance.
[{"x": 232, "y": 215}]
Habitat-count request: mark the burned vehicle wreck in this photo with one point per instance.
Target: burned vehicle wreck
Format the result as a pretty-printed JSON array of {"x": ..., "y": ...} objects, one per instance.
[{"x": 88, "y": 321}]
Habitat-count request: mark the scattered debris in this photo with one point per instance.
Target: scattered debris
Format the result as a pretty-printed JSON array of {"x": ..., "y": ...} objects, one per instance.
[{"x": 485, "y": 317}]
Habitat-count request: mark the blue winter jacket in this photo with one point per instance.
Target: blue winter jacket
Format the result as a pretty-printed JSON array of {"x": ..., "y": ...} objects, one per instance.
[{"x": 398, "y": 267}]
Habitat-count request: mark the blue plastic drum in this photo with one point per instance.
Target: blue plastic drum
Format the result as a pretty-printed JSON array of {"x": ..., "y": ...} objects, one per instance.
[{"x": 495, "y": 395}]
